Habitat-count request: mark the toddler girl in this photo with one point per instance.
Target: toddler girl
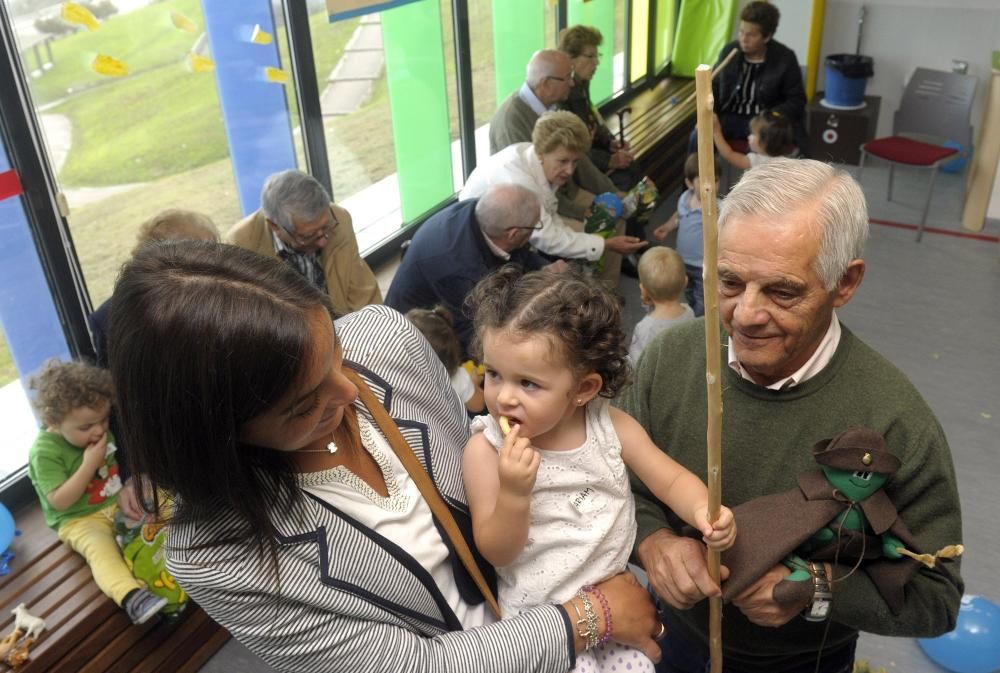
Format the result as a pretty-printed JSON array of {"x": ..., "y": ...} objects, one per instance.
[
  {"x": 771, "y": 135},
  {"x": 73, "y": 468},
  {"x": 550, "y": 500}
]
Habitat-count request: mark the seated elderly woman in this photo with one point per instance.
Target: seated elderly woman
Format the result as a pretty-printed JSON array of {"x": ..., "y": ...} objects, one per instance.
[
  {"x": 317, "y": 473},
  {"x": 610, "y": 155},
  {"x": 543, "y": 165}
]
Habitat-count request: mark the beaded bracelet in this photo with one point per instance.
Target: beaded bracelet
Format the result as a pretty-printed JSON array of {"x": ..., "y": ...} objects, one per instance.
[
  {"x": 591, "y": 636},
  {"x": 608, "y": 625}
]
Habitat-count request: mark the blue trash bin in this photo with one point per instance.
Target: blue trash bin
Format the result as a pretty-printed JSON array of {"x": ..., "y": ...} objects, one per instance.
[{"x": 846, "y": 78}]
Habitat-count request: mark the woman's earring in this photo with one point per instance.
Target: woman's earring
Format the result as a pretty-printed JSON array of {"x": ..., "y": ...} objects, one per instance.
[{"x": 579, "y": 401}]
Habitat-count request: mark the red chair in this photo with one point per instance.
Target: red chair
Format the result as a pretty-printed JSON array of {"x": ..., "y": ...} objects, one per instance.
[{"x": 935, "y": 107}]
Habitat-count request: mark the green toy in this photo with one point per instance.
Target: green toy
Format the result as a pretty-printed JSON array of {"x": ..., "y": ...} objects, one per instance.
[
  {"x": 142, "y": 548},
  {"x": 855, "y": 485},
  {"x": 839, "y": 514}
]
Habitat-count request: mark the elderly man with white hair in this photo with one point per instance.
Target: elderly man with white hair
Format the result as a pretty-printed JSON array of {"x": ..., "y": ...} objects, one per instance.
[
  {"x": 297, "y": 223},
  {"x": 791, "y": 245},
  {"x": 461, "y": 245}
]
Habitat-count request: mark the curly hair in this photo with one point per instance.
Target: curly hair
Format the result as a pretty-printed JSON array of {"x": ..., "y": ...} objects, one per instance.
[
  {"x": 764, "y": 14},
  {"x": 580, "y": 316},
  {"x": 65, "y": 386},
  {"x": 560, "y": 129},
  {"x": 438, "y": 327},
  {"x": 575, "y": 39}
]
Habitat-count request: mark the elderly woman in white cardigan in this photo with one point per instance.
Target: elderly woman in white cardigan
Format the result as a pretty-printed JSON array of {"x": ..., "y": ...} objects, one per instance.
[{"x": 544, "y": 165}]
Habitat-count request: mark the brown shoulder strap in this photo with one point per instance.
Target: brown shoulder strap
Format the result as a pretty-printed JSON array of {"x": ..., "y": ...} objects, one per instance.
[{"x": 424, "y": 484}]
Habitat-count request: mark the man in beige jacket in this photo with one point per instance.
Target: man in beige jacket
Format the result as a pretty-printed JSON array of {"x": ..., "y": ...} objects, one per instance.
[{"x": 297, "y": 223}]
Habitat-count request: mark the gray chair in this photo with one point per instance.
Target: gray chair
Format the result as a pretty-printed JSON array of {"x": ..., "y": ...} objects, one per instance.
[{"x": 936, "y": 106}]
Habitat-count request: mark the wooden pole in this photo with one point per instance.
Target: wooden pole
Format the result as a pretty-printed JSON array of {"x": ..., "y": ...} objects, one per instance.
[{"x": 713, "y": 348}]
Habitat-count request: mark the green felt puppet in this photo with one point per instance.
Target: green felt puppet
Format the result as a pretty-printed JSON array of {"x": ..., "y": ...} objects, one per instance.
[{"x": 839, "y": 514}]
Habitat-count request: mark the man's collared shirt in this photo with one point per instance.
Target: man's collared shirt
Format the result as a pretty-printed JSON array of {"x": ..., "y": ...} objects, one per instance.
[
  {"x": 306, "y": 263},
  {"x": 529, "y": 97},
  {"x": 813, "y": 366},
  {"x": 495, "y": 249}
]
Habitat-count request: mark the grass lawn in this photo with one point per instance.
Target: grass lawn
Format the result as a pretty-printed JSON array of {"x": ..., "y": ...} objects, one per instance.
[
  {"x": 162, "y": 119},
  {"x": 104, "y": 232},
  {"x": 143, "y": 39}
]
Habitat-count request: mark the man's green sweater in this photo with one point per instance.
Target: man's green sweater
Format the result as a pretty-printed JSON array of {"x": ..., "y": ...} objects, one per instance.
[{"x": 766, "y": 439}]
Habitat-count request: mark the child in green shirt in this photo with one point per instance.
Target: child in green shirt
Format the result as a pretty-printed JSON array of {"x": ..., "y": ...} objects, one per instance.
[{"x": 72, "y": 466}]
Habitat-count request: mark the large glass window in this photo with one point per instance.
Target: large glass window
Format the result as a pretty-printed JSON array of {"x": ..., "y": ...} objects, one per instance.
[
  {"x": 503, "y": 35},
  {"x": 608, "y": 17},
  {"x": 387, "y": 89},
  {"x": 130, "y": 115},
  {"x": 31, "y": 332},
  {"x": 126, "y": 95}
]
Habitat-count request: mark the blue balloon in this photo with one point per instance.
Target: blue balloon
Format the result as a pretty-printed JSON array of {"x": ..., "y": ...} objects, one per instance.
[
  {"x": 610, "y": 202},
  {"x": 7, "y": 530},
  {"x": 956, "y": 165},
  {"x": 974, "y": 645}
]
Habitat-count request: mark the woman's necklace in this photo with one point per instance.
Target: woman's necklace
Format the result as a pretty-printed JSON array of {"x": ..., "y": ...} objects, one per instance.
[
  {"x": 330, "y": 448},
  {"x": 349, "y": 424}
]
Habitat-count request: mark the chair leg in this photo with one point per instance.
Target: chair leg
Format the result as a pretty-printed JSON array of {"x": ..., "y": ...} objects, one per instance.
[
  {"x": 892, "y": 170},
  {"x": 927, "y": 204},
  {"x": 861, "y": 164}
]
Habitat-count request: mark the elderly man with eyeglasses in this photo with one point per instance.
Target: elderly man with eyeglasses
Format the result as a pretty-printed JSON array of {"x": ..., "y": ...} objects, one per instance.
[
  {"x": 297, "y": 223},
  {"x": 548, "y": 81},
  {"x": 461, "y": 245}
]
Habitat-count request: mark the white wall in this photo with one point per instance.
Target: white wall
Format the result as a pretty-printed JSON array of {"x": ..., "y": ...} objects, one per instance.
[
  {"x": 901, "y": 35},
  {"x": 793, "y": 28}
]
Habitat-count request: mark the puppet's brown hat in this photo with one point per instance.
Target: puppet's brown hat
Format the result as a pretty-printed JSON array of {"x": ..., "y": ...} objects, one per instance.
[{"x": 856, "y": 449}]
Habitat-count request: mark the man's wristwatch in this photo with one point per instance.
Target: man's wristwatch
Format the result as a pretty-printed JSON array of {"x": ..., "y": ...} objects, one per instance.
[{"x": 818, "y": 609}]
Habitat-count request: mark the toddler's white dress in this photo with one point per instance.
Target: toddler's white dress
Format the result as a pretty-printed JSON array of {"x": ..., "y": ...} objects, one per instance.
[{"x": 581, "y": 530}]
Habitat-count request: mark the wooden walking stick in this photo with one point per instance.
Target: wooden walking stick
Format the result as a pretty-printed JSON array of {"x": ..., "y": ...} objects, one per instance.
[{"x": 713, "y": 348}]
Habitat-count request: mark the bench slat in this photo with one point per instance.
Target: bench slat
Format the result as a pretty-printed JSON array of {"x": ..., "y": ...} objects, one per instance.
[{"x": 85, "y": 630}]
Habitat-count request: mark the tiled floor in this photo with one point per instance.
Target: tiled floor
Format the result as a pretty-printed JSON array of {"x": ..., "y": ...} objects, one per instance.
[{"x": 932, "y": 308}]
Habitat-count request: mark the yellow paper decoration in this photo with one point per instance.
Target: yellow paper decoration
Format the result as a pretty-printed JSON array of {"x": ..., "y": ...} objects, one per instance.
[
  {"x": 200, "y": 63},
  {"x": 107, "y": 65},
  {"x": 79, "y": 15},
  {"x": 276, "y": 75},
  {"x": 182, "y": 22},
  {"x": 260, "y": 36}
]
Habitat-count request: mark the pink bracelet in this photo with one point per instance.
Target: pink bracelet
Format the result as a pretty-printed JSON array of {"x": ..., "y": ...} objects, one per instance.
[{"x": 608, "y": 626}]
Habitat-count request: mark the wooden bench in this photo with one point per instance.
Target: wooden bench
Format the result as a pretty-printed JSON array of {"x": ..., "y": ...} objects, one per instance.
[
  {"x": 85, "y": 631},
  {"x": 657, "y": 130}
]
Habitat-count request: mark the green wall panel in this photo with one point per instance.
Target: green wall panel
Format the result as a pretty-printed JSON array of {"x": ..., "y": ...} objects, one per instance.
[
  {"x": 601, "y": 15},
  {"x": 666, "y": 21},
  {"x": 703, "y": 28},
  {"x": 418, "y": 98},
  {"x": 518, "y": 32}
]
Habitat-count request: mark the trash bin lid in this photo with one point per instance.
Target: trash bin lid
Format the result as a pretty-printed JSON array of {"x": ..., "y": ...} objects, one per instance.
[{"x": 851, "y": 65}]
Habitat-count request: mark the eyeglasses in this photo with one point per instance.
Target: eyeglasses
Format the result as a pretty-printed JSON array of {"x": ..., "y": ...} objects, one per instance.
[
  {"x": 326, "y": 231},
  {"x": 536, "y": 226},
  {"x": 596, "y": 55},
  {"x": 568, "y": 78}
]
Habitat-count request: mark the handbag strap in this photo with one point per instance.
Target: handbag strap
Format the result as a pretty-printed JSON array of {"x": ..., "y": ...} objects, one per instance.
[{"x": 424, "y": 484}]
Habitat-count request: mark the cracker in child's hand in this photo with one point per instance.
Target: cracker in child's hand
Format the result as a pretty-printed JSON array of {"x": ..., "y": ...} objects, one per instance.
[{"x": 505, "y": 425}]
